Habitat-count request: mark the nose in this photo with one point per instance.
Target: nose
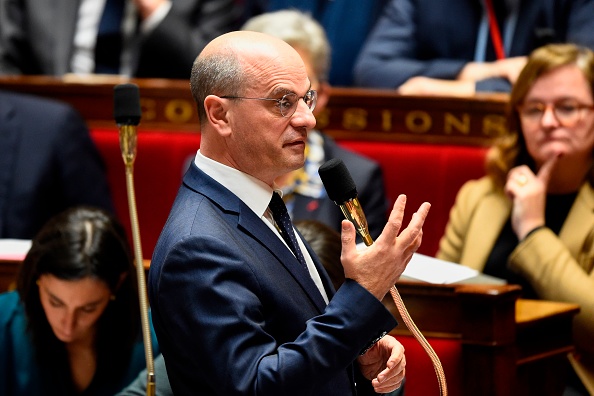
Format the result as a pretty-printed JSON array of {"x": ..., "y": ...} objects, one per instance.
[
  {"x": 68, "y": 322},
  {"x": 549, "y": 119},
  {"x": 303, "y": 116}
]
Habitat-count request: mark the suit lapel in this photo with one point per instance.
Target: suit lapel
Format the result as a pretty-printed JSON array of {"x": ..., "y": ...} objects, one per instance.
[
  {"x": 493, "y": 211},
  {"x": 252, "y": 225}
]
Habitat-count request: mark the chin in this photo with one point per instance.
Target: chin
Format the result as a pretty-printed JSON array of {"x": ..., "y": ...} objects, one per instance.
[{"x": 64, "y": 339}]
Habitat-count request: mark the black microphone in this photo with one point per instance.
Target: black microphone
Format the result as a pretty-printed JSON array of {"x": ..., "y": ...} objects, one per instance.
[
  {"x": 342, "y": 190},
  {"x": 127, "y": 112}
]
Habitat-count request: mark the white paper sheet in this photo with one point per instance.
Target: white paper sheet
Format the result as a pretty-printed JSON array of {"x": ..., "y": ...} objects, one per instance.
[
  {"x": 432, "y": 270},
  {"x": 14, "y": 249}
]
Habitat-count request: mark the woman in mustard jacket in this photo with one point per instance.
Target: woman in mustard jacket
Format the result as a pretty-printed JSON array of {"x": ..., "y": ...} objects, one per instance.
[{"x": 531, "y": 219}]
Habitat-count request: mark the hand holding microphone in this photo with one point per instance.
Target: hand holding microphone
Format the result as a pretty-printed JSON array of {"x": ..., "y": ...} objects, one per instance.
[{"x": 379, "y": 267}]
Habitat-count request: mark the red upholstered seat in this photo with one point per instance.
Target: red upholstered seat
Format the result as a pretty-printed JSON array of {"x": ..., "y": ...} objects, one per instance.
[
  {"x": 424, "y": 172},
  {"x": 421, "y": 379}
]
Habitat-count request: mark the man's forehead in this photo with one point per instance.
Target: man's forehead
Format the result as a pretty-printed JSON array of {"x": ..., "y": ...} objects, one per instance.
[{"x": 247, "y": 42}]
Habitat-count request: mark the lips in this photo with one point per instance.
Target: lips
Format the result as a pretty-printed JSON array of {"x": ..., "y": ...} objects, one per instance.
[{"x": 296, "y": 143}]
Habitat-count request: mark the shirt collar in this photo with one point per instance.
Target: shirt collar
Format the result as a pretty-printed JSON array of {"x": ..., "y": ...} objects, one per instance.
[{"x": 253, "y": 192}]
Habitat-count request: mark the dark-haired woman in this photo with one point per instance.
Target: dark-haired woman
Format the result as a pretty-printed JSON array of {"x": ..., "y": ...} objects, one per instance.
[{"x": 72, "y": 326}]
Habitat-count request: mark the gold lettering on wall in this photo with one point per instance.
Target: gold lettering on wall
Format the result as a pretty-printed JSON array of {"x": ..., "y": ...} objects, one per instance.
[
  {"x": 418, "y": 121},
  {"x": 354, "y": 119},
  {"x": 148, "y": 108},
  {"x": 494, "y": 125},
  {"x": 386, "y": 120},
  {"x": 179, "y": 111},
  {"x": 451, "y": 122}
]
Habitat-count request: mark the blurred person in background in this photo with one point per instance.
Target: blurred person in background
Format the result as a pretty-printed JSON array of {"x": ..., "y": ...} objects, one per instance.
[
  {"x": 346, "y": 23},
  {"x": 530, "y": 221},
  {"x": 72, "y": 327},
  {"x": 48, "y": 162},
  {"x": 459, "y": 47},
  {"x": 134, "y": 38}
]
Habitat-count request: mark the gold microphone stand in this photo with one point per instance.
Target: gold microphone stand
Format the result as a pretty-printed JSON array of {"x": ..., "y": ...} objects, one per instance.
[{"x": 128, "y": 138}]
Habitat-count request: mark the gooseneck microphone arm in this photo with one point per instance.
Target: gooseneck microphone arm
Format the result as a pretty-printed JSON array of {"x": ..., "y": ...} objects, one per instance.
[
  {"x": 127, "y": 116},
  {"x": 341, "y": 189}
]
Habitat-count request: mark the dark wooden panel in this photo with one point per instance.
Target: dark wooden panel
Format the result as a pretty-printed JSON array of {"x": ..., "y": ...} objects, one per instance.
[{"x": 360, "y": 114}]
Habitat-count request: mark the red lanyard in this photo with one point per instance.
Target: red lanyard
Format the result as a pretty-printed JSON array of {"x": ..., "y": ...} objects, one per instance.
[{"x": 494, "y": 30}]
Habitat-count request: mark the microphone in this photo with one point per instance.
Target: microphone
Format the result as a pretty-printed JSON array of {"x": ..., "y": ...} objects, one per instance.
[
  {"x": 126, "y": 112},
  {"x": 342, "y": 190}
]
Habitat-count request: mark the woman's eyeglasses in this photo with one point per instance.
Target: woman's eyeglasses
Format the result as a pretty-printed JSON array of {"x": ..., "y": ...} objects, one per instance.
[
  {"x": 288, "y": 103},
  {"x": 567, "y": 112}
]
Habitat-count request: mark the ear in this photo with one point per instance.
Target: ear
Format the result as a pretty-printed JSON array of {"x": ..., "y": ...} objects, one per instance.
[
  {"x": 216, "y": 110},
  {"x": 323, "y": 96}
]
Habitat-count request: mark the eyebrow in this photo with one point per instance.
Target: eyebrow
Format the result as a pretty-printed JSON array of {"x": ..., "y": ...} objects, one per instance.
[
  {"x": 280, "y": 91},
  {"x": 62, "y": 302}
]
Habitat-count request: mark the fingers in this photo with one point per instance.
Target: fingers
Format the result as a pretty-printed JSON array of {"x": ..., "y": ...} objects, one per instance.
[
  {"x": 392, "y": 228},
  {"x": 348, "y": 236},
  {"x": 544, "y": 173},
  {"x": 517, "y": 178},
  {"x": 392, "y": 376},
  {"x": 394, "y": 224},
  {"x": 414, "y": 232}
]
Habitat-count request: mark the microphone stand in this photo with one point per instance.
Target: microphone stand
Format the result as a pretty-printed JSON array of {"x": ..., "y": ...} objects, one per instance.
[{"x": 128, "y": 138}]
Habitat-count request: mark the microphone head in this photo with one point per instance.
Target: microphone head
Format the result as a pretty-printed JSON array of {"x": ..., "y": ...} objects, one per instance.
[
  {"x": 126, "y": 104},
  {"x": 337, "y": 181}
]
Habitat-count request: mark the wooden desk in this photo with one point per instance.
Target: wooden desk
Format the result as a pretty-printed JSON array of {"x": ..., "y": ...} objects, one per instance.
[
  {"x": 352, "y": 113},
  {"x": 510, "y": 346}
]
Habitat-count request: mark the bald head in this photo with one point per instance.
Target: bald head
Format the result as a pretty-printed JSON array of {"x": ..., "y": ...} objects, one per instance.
[
  {"x": 233, "y": 62},
  {"x": 245, "y": 43}
]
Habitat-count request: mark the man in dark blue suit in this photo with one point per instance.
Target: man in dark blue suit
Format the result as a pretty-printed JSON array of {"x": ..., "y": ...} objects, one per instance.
[
  {"x": 235, "y": 310},
  {"x": 48, "y": 163}
]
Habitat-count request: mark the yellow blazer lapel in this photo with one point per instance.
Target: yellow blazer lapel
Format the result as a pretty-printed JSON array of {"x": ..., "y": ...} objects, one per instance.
[
  {"x": 491, "y": 215},
  {"x": 578, "y": 228}
]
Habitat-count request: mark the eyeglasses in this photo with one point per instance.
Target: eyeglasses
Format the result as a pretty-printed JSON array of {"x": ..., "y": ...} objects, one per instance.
[
  {"x": 567, "y": 112},
  {"x": 288, "y": 103}
]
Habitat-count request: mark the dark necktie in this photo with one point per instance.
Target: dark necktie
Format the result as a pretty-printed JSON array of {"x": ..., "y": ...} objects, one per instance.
[
  {"x": 108, "y": 48},
  {"x": 285, "y": 226}
]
